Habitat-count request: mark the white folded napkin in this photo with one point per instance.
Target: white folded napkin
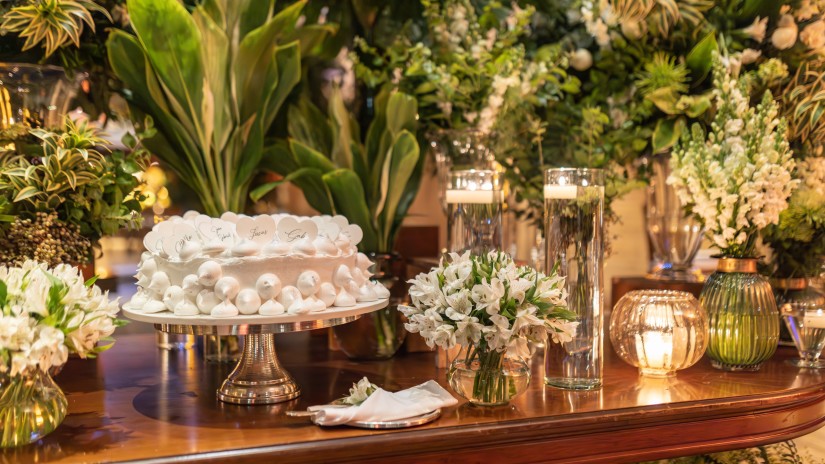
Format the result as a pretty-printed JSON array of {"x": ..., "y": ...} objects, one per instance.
[{"x": 387, "y": 406}]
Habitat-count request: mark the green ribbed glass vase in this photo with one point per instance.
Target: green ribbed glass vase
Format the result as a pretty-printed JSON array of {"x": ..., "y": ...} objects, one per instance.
[{"x": 744, "y": 321}]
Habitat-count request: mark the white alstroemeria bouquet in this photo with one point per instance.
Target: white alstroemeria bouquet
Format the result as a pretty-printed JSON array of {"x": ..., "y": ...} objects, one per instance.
[
  {"x": 48, "y": 313},
  {"x": 490, "y": 305},
  {"x": 737, "y": 178}
]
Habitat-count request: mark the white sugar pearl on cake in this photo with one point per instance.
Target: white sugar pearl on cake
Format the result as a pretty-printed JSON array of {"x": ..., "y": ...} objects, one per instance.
[
  {"x": 342, "y": 276},
  {"x": 246, "y": 248},
  {"x": 248, "y": 301},
  {"x": 189, "y": 250},
  {"x": 186, "y": 308},
  {"x": 191, "y": 287},
  {"x": 325, "y": 246},
  {"x": 276, "y": 248},
  {"x": 224, "y": 309},
  {"x": 206, "y": 301},
  {"x": 173, "y": 297},
  {"x": 268, "y": 286},
  {"x": 308, "y": 283},
  {"x": 327, "y": 293},
  {"x": 158, "y": 284},
  {"x": 154, "y": 306},
  {"x": 305, "y": 247},
  {"x": 209, "y": 273},
  {"x": 289, "y": 295},
  {"x": 227, "y": 288},
  {"x": 344, "y": 299},
  {"x": 271, "y": 308},
  {"x": 365, "y": 294}
]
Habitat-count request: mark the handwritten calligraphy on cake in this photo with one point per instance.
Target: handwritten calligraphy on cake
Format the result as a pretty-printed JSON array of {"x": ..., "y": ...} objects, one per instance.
[
  {"x": 260, "y": 229},
  {"x": 175, "y": 235},
  {"x": 215, "y": 230},
  {"x": 291, "y": 230}
]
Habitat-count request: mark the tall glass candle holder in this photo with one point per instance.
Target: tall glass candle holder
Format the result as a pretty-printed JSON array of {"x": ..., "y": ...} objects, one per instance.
[
  {"x": 573, "y": 214},
  {"x": 474, "y": 209}
]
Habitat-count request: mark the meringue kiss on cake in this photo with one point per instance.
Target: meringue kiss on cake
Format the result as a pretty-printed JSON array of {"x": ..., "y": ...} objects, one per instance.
[{"x": 243, "y": 265}]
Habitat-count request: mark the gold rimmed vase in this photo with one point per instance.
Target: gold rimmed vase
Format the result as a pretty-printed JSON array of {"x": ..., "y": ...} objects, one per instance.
[{"x": 744, "y": 320}]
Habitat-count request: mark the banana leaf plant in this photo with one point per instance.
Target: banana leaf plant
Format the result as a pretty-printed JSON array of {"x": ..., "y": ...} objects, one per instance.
[
  {"x": 212, "y": 82},
  {"x": 372, "y": 182}
]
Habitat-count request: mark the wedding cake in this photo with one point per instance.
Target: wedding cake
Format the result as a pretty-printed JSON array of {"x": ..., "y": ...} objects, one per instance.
[{"x": 242, "y": 265}]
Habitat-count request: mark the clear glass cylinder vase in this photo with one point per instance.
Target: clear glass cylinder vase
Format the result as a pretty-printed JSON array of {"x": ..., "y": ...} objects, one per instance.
[
  {"x": 456, "y": 150},
  {"x": 574, "y": 210},
  {"x": 474, "y": 212},
  {"x": 487, "y": 377},
  {"x": 31, "y": 407},
  {"x": 742, "y": 314},
  {"x": 802, "y": 308},
  {"x": 675, "y": 236}
]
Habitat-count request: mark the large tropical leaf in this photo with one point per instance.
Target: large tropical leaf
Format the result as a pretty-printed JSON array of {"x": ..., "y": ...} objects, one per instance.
[
  {"x": 173, "y": 44},
  {"x": 400, "y": 166},
  {"x": 348, "y": 195}
]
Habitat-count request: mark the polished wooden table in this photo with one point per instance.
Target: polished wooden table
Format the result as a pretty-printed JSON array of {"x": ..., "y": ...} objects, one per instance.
[{"x": 137, "y": 403}]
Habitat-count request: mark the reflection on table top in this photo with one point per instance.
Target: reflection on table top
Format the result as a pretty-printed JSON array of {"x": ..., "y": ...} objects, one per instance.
[{"x": 137, "y": 402}]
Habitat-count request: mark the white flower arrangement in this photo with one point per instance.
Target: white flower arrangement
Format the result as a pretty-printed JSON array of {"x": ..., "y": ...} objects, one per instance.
[
  {"x": 489, "y": 302},
  {"x": 48, "y": 313},
  {"x": 737, "y": 178}
]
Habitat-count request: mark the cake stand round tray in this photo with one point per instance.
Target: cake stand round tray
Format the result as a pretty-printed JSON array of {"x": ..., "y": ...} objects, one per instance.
[{"x": 258, "y": 378}]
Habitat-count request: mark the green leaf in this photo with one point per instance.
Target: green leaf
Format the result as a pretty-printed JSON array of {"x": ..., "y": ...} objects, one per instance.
[
  {"x": 307, "y": 124},
  {"x": 216, "y": 112},
  {"x": 343, "y": 133},
  {"x": 320, "y": 196},
  {"x": 173, "y": 45},
  {"x": 348, "y": 195},
  {"x": 253, "y": 61},
  {"x": 699, "y": 58},
  {"x": 306, "y": 157},
  {"x": 667, "y": 133},
  {"x": 278, "y": 159},
  {"x": 402, "y": 111},
  {"x": 26, "y": 192},
  {"x": 401, "y": 165},
  {"x": 4, "y": 292},
  {"x": 665, "y": 100}
]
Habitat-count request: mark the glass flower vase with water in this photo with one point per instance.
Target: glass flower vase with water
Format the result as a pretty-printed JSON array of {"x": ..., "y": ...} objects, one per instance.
[{"x": 574, "y": 208}]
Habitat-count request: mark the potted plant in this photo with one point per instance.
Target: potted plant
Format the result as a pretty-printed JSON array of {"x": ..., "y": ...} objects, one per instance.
[
  {"x": 59, "y": 193},
  {"x": 212, "y": 82},
  {"x": 372, "y": 181}
]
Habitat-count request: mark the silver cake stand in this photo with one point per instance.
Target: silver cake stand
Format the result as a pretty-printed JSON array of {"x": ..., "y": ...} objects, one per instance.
[{"x": 258, "y": 378}]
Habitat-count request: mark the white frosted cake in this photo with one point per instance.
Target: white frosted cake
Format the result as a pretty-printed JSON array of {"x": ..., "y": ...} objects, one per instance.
[{"x": 266, "y": 265}]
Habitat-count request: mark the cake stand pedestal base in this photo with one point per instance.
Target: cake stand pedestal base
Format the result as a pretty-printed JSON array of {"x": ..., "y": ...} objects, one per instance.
[{"x": 258, "y": 378}]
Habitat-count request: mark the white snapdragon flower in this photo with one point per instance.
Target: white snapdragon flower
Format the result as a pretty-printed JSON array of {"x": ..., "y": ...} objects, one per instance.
[
  {"x": 784, "y": 37},
  {"x": 581, "y": 59},
  {"x": 757, "y": 29},
  {"x": 750, "y": 55},
  {"x": 813, "y": 36}
]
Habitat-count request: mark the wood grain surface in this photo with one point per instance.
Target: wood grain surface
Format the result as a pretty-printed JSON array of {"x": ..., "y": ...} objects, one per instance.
[{"x": 137, "y": 403}]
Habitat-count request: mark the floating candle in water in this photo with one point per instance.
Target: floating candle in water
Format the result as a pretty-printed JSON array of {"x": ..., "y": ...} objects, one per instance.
[
  {"x": 560, "y": 192},
  {"x": 473, "y": 196},
  {"x": 814, "y": 319}
]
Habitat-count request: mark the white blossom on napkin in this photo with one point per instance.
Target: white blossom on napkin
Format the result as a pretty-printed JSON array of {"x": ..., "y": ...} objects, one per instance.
[{"x": 382, "y": 405}]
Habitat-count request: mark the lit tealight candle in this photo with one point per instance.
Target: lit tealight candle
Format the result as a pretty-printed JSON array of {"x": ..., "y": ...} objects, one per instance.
[{"x": 655, "y": 352}]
